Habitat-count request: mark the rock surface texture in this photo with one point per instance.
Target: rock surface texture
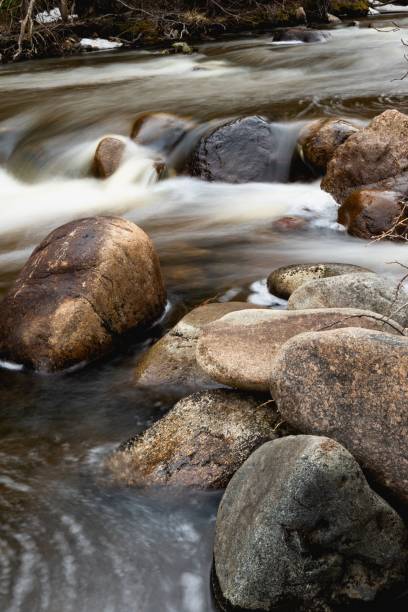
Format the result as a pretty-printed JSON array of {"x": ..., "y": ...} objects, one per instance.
[
  {"x": 239, "y": 349},
  {"x": 284, "y": 281},
  {"x": 242, "y": 151},
  {"x": 319, "y": 140},
  {"x": 367, "y": 291},
  {"x": 351, "y": 385},
  {"x": 201, "y": 442},
  {"x": 299, "y": 529},
  {"x": 88, "y": 282},
  {"x": 373, "y": 158},
  {"x": 172, "y": 360}
]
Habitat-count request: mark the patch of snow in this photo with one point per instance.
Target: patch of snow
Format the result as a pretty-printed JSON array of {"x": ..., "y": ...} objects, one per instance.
[
  {"x": 391, "y": 8},
  {"x": 372, "y": 11},
  {"x": 99, "y": 43},
  {"x": 49, "y": 17}
]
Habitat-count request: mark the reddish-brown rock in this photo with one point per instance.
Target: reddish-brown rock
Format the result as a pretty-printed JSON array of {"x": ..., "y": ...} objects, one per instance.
[
  {"x": 372, "y": 213},
  {"x": 108, "y": 156},
  {"x": 376, "y": 157},
  {"x": 319, "y": 140},
  {"x": 88, "y": 282},
  {"x": 350, "y": 384}
]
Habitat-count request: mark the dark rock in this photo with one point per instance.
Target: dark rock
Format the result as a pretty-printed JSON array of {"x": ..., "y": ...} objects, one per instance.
[
  {"x": 359, "y": 290},
  {"x": 299, "y": 529},
  {"x": 238, "y": 349},
  {"x": 351, "y": 385},
  {"x": 88, "y": 282},
  {"x": 242, "y": 151},
  {"x": 376, "y": 157},
  {"x": 304, "y": 35},
  {"x": 373, "y": 213},
  {"x": 201, "y": 442},
  {"x": 284, "y": 281}
]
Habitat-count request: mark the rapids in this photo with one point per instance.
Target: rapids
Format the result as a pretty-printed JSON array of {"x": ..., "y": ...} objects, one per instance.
[{"x": 70, "y": 541}]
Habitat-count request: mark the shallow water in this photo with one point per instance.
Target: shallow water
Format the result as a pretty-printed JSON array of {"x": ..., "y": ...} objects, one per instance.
[{"x": 69, "y": 539}]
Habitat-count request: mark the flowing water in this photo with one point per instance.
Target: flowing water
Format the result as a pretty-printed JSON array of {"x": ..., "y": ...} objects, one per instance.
[{"x": 70, "y": 540}]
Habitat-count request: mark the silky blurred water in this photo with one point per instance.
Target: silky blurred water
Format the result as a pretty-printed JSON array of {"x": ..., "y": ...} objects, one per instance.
[{"x": 70, "y": 540}]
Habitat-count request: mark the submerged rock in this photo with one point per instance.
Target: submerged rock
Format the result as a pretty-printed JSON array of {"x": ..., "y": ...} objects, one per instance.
[
  {"x": 368, "y": 291},
  {"x": 88, "y": 282},
  {"x": 172, "y": 360},
  {"x": 160, "y": 131},
  {"x": 242, "y": 151},
  {"x": 299, "y": 529},
  {"x": 282, "y": 282},
  {"x": 376, "y": 157},
  {"x": 239, "y": 349},
  {"x": 350, "y": 384},
  {"x": 201, "y": 442},
  {"x": 319, "y": 140},
  {"x": 302, "y": 34},
  {"x": 370, "y": 213}
]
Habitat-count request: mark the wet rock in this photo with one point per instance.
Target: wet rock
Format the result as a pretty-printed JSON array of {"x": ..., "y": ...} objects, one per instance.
[
  {"x": 350, "y": 384},
  {"x": 160, "y": 131},
  {"x": 242, "y": 151},
  {"x": 238, "y": 350},
  {"x": 284, "y": 281},
  {"x": 304, "y": 35},
  {"x": 360, "y": 290},
  {"x": 373, "y": 213},
  {"x": 376, "y": 157},
  {"x": 108, "y": 156},
  {"x": 172, "y": 360},
  {"x": 201, "y": 442},
  {"x": 300, "y": 529},
  {"x": 319, "y": 140},
  {"x": 88, "y": 282}
]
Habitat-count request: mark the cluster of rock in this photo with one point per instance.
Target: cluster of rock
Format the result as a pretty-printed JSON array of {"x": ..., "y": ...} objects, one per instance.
[{"x": 299, "y": 526}]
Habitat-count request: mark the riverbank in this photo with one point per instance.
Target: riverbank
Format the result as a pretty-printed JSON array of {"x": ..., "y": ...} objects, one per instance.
[{"x": 158, "y": 24}]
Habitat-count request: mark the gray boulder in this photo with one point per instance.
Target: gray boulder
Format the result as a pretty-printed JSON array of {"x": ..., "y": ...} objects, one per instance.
[
  {"x": 201, "y": 442},
  {"x": 299, "y": 529},
  {"x": 362, "y": 290},
  {"x": 350, "y": 384}
]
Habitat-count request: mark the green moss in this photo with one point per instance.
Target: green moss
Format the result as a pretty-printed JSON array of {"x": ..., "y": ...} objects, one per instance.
[{"x": 351, "y": 8}]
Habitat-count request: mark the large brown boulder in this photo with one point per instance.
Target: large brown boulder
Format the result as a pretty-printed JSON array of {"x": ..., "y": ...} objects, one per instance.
[
  {"x": 373, "y": 158},
  {"x": 201, "y": 442},
  {"x": 88, "y": 282},
  {"x": 239, "y": 349},
  {"x": 242, "y": 151},
  {"x": 350, "y": 384},
  {"x": 319, "y": 140},
  {"x": 370, "y": 213},
  {"x": 171, "y": 362},
  {"x": 366, "y": 290},
  {"x": 282, "y": 282},
  {"x": 299, "y": 529}
]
